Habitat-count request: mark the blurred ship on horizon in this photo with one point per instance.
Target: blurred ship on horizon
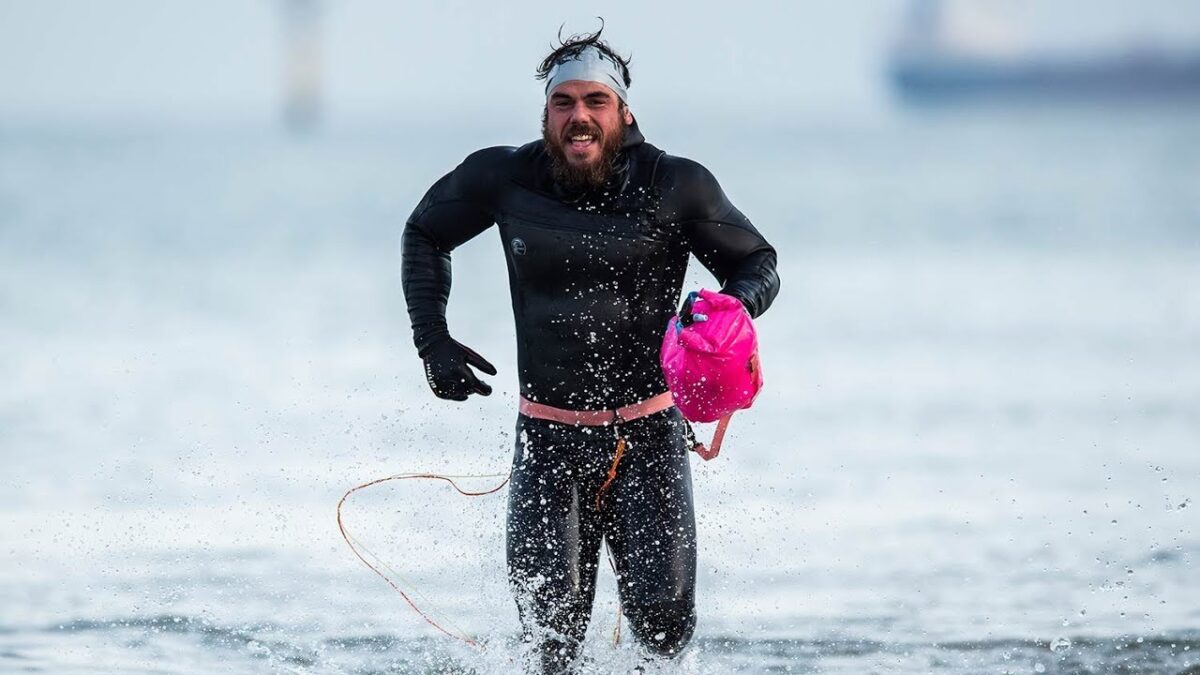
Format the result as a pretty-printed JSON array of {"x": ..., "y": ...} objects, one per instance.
[{"x": 947, "y": 54}]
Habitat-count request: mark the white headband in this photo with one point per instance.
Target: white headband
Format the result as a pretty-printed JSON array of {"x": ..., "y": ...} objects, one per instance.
[{"x": 589, "y": 65}]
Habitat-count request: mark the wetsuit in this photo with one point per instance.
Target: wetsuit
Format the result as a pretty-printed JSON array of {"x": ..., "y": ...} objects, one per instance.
[{"x": 594, "y": 277}]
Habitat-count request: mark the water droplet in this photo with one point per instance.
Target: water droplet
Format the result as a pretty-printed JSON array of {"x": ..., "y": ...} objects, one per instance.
[
  {"x": 1061, "y": 644},
  {"x": 1039, "y": 668}
]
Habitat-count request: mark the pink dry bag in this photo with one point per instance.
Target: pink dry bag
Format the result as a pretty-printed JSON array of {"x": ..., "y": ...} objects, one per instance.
[{"x": 710, "y": 360}]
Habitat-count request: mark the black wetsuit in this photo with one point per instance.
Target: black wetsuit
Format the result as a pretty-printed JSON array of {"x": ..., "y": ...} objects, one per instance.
[{"x": 594, "y": 278}]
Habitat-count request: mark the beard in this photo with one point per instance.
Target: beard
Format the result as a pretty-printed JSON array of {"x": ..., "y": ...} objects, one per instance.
[{"x": 584, "y": 177}]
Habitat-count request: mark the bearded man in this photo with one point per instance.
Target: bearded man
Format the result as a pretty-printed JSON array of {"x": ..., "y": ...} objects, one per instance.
[{"x": 597, "y": 226}]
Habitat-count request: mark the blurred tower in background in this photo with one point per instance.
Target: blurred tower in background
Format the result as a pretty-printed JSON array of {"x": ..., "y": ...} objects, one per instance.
[{"x": 302, "y": 66}]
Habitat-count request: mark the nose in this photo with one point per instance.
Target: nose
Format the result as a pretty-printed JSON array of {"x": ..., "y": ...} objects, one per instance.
[{"x": 579, "y": 113}]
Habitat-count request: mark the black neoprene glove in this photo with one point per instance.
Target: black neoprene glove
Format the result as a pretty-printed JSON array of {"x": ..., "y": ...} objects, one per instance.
[
  {"x": 447, "y": 371},
  {"x": 685, "y": 312}
]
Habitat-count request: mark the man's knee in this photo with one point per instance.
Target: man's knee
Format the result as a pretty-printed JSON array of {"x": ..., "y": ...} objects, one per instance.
[
  {"x": 555, "y": 637},
  {"x": 664, "y": 628}
]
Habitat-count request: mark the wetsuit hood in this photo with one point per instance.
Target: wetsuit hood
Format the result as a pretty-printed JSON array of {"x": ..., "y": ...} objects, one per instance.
[{"x": 633, "y": 136}]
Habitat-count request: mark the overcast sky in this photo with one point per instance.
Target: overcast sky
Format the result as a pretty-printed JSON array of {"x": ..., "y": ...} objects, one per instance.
[{"x": 182, "y": 60}]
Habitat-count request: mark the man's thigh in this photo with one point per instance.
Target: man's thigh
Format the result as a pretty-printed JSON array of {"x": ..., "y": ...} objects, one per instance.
[
  {"x": 553, "y": 535},
  {"x": 649, "y": 519}
]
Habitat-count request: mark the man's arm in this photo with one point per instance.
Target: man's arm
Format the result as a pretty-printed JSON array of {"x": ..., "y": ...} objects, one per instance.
[
  {"x": 457, "y": 208},
  {"x": 720, "y": 237}
]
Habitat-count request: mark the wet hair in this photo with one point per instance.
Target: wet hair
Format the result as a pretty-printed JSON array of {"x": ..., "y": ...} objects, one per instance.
[{"x": 575, "y": 44}]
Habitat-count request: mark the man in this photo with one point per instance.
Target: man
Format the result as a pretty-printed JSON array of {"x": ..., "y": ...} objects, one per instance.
[{"x": 597, "y": 227}]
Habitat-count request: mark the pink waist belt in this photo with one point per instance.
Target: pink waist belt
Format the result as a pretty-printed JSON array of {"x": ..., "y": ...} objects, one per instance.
[
  {"x": 603, "y": 418},
  {"x": 600, "y": 418},
  {"x": 597, "y": 418}
]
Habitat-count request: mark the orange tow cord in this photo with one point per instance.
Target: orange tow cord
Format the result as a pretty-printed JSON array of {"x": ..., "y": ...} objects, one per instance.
[
  {"x": 612, "y": 472},
  {"x": 355, "y": 549},
  {"x": 612, "y": 475}
]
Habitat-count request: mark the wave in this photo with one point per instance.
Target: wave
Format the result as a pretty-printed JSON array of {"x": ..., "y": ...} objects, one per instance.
[{"x": 275, "y": 647}]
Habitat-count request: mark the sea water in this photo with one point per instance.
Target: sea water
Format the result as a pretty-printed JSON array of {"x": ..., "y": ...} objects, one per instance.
[{"x": 978, "y": 449}]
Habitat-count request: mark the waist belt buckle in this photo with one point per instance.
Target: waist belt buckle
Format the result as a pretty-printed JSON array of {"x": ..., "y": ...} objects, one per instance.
[{"x": 617, "y": 421}]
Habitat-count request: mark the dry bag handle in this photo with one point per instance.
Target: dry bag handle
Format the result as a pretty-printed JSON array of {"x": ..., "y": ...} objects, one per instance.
[{"x": 713, "y": 449}]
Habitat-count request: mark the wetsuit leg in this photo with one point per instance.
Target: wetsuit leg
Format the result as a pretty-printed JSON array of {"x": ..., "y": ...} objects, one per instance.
[
  {"x": 554, "y": 534},
  {"x": 651, "y": 528}
]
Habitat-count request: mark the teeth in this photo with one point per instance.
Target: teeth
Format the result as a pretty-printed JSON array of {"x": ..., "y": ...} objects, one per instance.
[{"x": 581, "y": 138}]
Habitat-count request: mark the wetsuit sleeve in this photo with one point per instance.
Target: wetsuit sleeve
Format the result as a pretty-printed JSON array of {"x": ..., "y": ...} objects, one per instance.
[
  {"x": 722, "y": 238},
  {"x": 458, "y": 207}
]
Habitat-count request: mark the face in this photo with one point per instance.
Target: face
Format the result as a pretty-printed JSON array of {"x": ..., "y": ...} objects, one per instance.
[{"x": 584, "y": 128}]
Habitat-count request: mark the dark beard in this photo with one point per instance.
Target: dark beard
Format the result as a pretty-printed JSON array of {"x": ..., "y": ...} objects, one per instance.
[{"x": 593, "y": 176}]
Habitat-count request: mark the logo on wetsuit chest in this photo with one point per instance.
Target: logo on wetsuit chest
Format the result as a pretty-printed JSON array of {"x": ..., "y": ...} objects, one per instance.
[{"x": 517, "y": 245}]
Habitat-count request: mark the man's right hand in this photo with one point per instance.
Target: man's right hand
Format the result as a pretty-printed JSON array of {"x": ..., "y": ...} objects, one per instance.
[{"x": 448, "y": 373}]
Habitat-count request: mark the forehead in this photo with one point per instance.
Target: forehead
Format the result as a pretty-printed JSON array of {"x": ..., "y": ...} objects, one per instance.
[{"x": 581, "y": 89}]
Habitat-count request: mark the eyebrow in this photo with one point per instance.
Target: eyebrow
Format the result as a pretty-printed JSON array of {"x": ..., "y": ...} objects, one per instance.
[{"x": 559, "y": 96}]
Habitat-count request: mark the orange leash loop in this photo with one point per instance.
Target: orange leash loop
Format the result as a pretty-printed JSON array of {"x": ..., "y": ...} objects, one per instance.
[
  {"x": 355, "y": 549},
  {"x": 612, "y": 472}
]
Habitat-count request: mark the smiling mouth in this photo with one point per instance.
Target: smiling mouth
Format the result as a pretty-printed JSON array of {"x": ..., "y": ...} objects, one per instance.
[{"x": 581, "y": 142}]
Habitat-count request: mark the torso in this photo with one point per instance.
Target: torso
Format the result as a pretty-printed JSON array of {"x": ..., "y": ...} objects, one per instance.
[{"x": 593, "y": 284}]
